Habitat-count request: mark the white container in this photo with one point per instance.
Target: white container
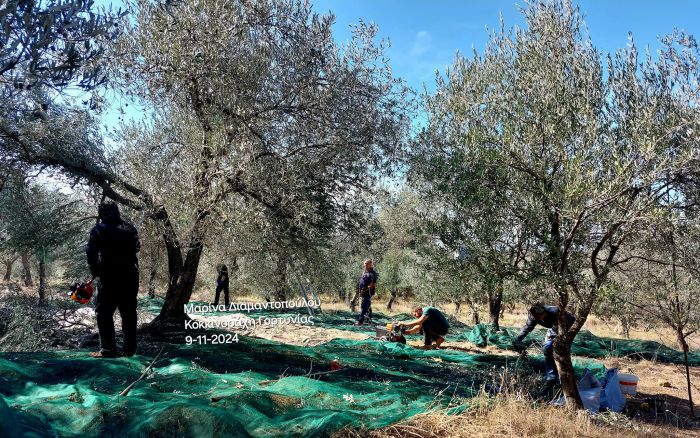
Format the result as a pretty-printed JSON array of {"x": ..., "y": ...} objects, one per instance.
[{"x": 628, "y": 383}]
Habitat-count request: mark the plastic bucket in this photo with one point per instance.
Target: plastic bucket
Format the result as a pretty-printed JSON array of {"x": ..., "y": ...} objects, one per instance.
[{"x": 628, "y": 383}]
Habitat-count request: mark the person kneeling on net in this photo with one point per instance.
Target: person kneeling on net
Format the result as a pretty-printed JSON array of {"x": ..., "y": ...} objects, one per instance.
[
  {"x": 547, "y": 317},
  {"x": 431, "y": 323}
]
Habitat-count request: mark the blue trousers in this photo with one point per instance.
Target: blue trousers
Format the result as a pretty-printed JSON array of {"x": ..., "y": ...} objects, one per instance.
[
  {"x": 365, "y": 308},
  {"x": 548, "y": 351}
]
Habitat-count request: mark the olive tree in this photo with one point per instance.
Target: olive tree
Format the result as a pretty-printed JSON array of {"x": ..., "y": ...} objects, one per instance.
[
  {"x": 661, "y": 280},
  {"x": 46, "y": 48},
  {"x": 251, "y": 100},
  {"x": 465, "y": 214},
  {"x": 588, "y": 146},
  {"x": 395, "y": 247},
  {"x": 43, "y": 222}
]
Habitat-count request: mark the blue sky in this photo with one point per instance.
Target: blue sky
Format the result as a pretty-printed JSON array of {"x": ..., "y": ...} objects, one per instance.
[{"x": 425, "y": 35}]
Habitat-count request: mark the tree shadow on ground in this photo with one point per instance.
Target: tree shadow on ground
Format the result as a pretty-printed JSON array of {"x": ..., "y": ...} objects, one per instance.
[{"x": 662, "y": 409}]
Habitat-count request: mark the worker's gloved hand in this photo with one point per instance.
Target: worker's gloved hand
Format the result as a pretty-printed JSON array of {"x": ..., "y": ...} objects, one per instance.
[{"x": 518, "y": 345}]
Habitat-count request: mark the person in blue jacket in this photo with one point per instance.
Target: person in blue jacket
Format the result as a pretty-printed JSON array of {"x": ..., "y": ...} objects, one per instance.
[
  {"x": 547, "y": 317},
  {"x": 366, "y": 288}
]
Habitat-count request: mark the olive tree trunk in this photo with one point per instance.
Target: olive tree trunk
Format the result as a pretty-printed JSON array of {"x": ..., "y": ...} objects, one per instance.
[
  {"x": 27, "y": 271},
  {"x": 42, "y": 279},
  {"x": 567, "y": 375},
  {"x": 9, "y": 263},
  {"x": 684, "y": 346},
  {"x": 495, "y": 297},
  {"x": 281, "y": 277},
  {"x": 392, "y": 298}
]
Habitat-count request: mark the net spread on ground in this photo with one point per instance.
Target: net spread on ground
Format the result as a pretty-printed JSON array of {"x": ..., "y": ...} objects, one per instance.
[{"x": 257, "y": 387}]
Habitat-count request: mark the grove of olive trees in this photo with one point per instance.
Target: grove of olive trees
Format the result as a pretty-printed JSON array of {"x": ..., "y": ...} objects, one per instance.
[{"x": 540, "y": 166}]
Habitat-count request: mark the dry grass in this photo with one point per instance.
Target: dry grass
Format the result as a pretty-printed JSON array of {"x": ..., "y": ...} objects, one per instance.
[
  {"x": 663, "y": 382},
  {"x": 516, "y": 417}
]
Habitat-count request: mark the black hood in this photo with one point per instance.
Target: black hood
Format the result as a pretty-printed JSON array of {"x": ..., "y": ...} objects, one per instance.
[{"x": 108, "y": 212}]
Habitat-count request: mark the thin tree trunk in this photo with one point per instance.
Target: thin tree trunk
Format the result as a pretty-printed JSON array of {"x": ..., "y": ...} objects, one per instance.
[
  {"x": 152, "y": 282},
  {"x": 567, "y": 376},
  {"x": 42, "y": 279},
  {"x": 687, "y": 378},
  {"x": 684, "y": 347},
  {"x": 27, "y": 271},
  {"x": 233, "y": 271},
  {"x": 8, "y": 268},
  {"x": 391, "y": 299},
  {"x": 8, "y": 271},
  {"x": 495, "y": 297},
  {"x": 153, "y": 273},
  {"x": 234, "y": 268},
  {"x": 281, "y": 277},
  {"x": 679, "y": 328},
  {"x": 475, "y": 317},
  {"x": 625, "y": 326}
]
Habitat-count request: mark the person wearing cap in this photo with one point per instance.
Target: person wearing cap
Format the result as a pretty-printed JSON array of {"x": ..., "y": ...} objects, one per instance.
[
  {"x": 366, "y": 288},
  {"x": 547, "y": 317},
  {"x": 112, "y": 257},
  {"x": 431, "y": 323}
]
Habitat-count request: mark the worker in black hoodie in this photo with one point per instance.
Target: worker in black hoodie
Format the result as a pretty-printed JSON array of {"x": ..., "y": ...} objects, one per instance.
[
  {"x": 112, "y": 257},
  {"x": 222, "y": 285}
]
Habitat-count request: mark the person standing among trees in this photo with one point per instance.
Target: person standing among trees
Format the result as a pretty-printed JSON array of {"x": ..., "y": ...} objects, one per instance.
[
  {"x": 112, "y": 257},
  {"x": 222, "y": 284},
  {"x": 547, "y": 317},
  {"x": 366, "y": 288}
]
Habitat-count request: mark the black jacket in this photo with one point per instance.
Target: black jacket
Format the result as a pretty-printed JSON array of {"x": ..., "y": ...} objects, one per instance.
[{"x": 112, "y": 248}]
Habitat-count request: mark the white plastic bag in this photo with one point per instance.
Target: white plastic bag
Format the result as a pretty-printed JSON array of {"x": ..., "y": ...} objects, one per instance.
[
  {"x": 612, "y": 397},
  {"x": 589, "y": 388}
]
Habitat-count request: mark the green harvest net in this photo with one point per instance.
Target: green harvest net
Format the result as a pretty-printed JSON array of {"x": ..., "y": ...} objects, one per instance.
[
  {"x": 236, "y": 389},
  {"x": 585, "y": 344}
]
